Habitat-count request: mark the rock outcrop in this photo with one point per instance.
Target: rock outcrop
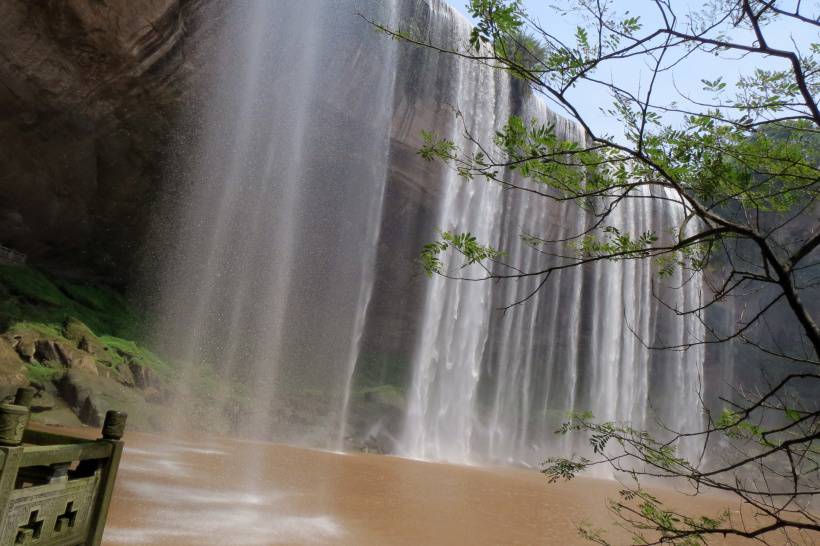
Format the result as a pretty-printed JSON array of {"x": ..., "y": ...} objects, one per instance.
[
  {"x": 75, "y": 384},
  {"x": 88, "y": 91},
  {"x": 12, "y": 370}
]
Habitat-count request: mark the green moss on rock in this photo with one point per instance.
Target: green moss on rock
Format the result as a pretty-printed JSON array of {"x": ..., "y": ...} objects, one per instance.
[
  {"x": 40, "y": 374},
  {"x": 38, "y": 328},
  {"x": 124, "y": 351}
]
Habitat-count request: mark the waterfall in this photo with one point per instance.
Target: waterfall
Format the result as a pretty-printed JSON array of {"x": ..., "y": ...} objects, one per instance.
[
  {"x": 455, "y": 330},
  {"x": 290, "y": 292},
  {"x": 494, "y": 385},
  {"x": 271, "y": 267}
]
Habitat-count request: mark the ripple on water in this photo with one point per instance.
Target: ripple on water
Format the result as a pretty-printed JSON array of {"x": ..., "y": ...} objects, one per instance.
[
  {"x": 206, "y": 516},
  {"x": 171, "y": 512}
]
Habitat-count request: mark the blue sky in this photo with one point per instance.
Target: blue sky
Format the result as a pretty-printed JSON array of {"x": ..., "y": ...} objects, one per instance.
[{"x": 681, "y": 82}]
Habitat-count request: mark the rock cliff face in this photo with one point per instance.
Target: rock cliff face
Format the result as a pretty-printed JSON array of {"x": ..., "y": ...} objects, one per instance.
[
  {"x": 93, "y": 97},
  {"x": 95, "y": 111},
  {"x": 88, "y": 90}
]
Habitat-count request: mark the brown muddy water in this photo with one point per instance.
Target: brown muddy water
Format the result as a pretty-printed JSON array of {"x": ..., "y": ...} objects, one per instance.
[{"x": 230, "y": 492}]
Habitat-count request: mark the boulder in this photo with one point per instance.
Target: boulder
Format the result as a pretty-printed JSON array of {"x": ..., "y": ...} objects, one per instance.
[
  {"x": 83, "y": 338},
  {"x": 12, "y": 370},
  {"x": 83, "y": 391},
  {"x": 43, "y": 401},
  {"x": 45, "y": 351},
  {"x": 138, "y": 374},
  {"x": 8, "y": 356},
  {"x": 23, "y": 343},
  {"x": 124, "y": 375},
  {"x": 90, "y": 395},
  {"x": 144, "y": 377},
  {"x": 75, "y": 358}
]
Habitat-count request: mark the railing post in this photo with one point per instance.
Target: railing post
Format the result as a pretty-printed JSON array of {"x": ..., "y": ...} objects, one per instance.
[
  {"x": 24, "y": 396},
  {"x": 112, "y": 431},
  {"x": 13, "y": 421}
]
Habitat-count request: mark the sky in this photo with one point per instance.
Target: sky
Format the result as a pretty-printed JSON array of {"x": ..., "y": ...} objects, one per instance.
[{"x": 681, "y": 82}]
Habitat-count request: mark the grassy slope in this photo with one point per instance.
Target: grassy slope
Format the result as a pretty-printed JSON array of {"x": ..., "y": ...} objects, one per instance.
[{"x": 34, "y": 301}]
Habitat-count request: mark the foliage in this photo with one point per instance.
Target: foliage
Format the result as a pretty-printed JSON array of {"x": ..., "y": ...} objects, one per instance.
[
  {"x": 41, "y": 373},
  {"x": 33, "y": 296},
  {"x": 638, "y": 453},
  {"x": 31, "y": 285},
  {"x": 48, "y": 330},
  {"x": 464, "y": 244},
  {"x": 36, "y": 302},
  {"x": 617, "y": 245},
  {"x": 122, "y": 350}
]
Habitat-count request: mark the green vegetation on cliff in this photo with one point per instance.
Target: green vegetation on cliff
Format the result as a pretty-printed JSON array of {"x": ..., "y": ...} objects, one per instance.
[
  {"x": 62, "y": 310},
  {"x": 80, "y": 345},
  {"x": 28, "y": 295}
]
